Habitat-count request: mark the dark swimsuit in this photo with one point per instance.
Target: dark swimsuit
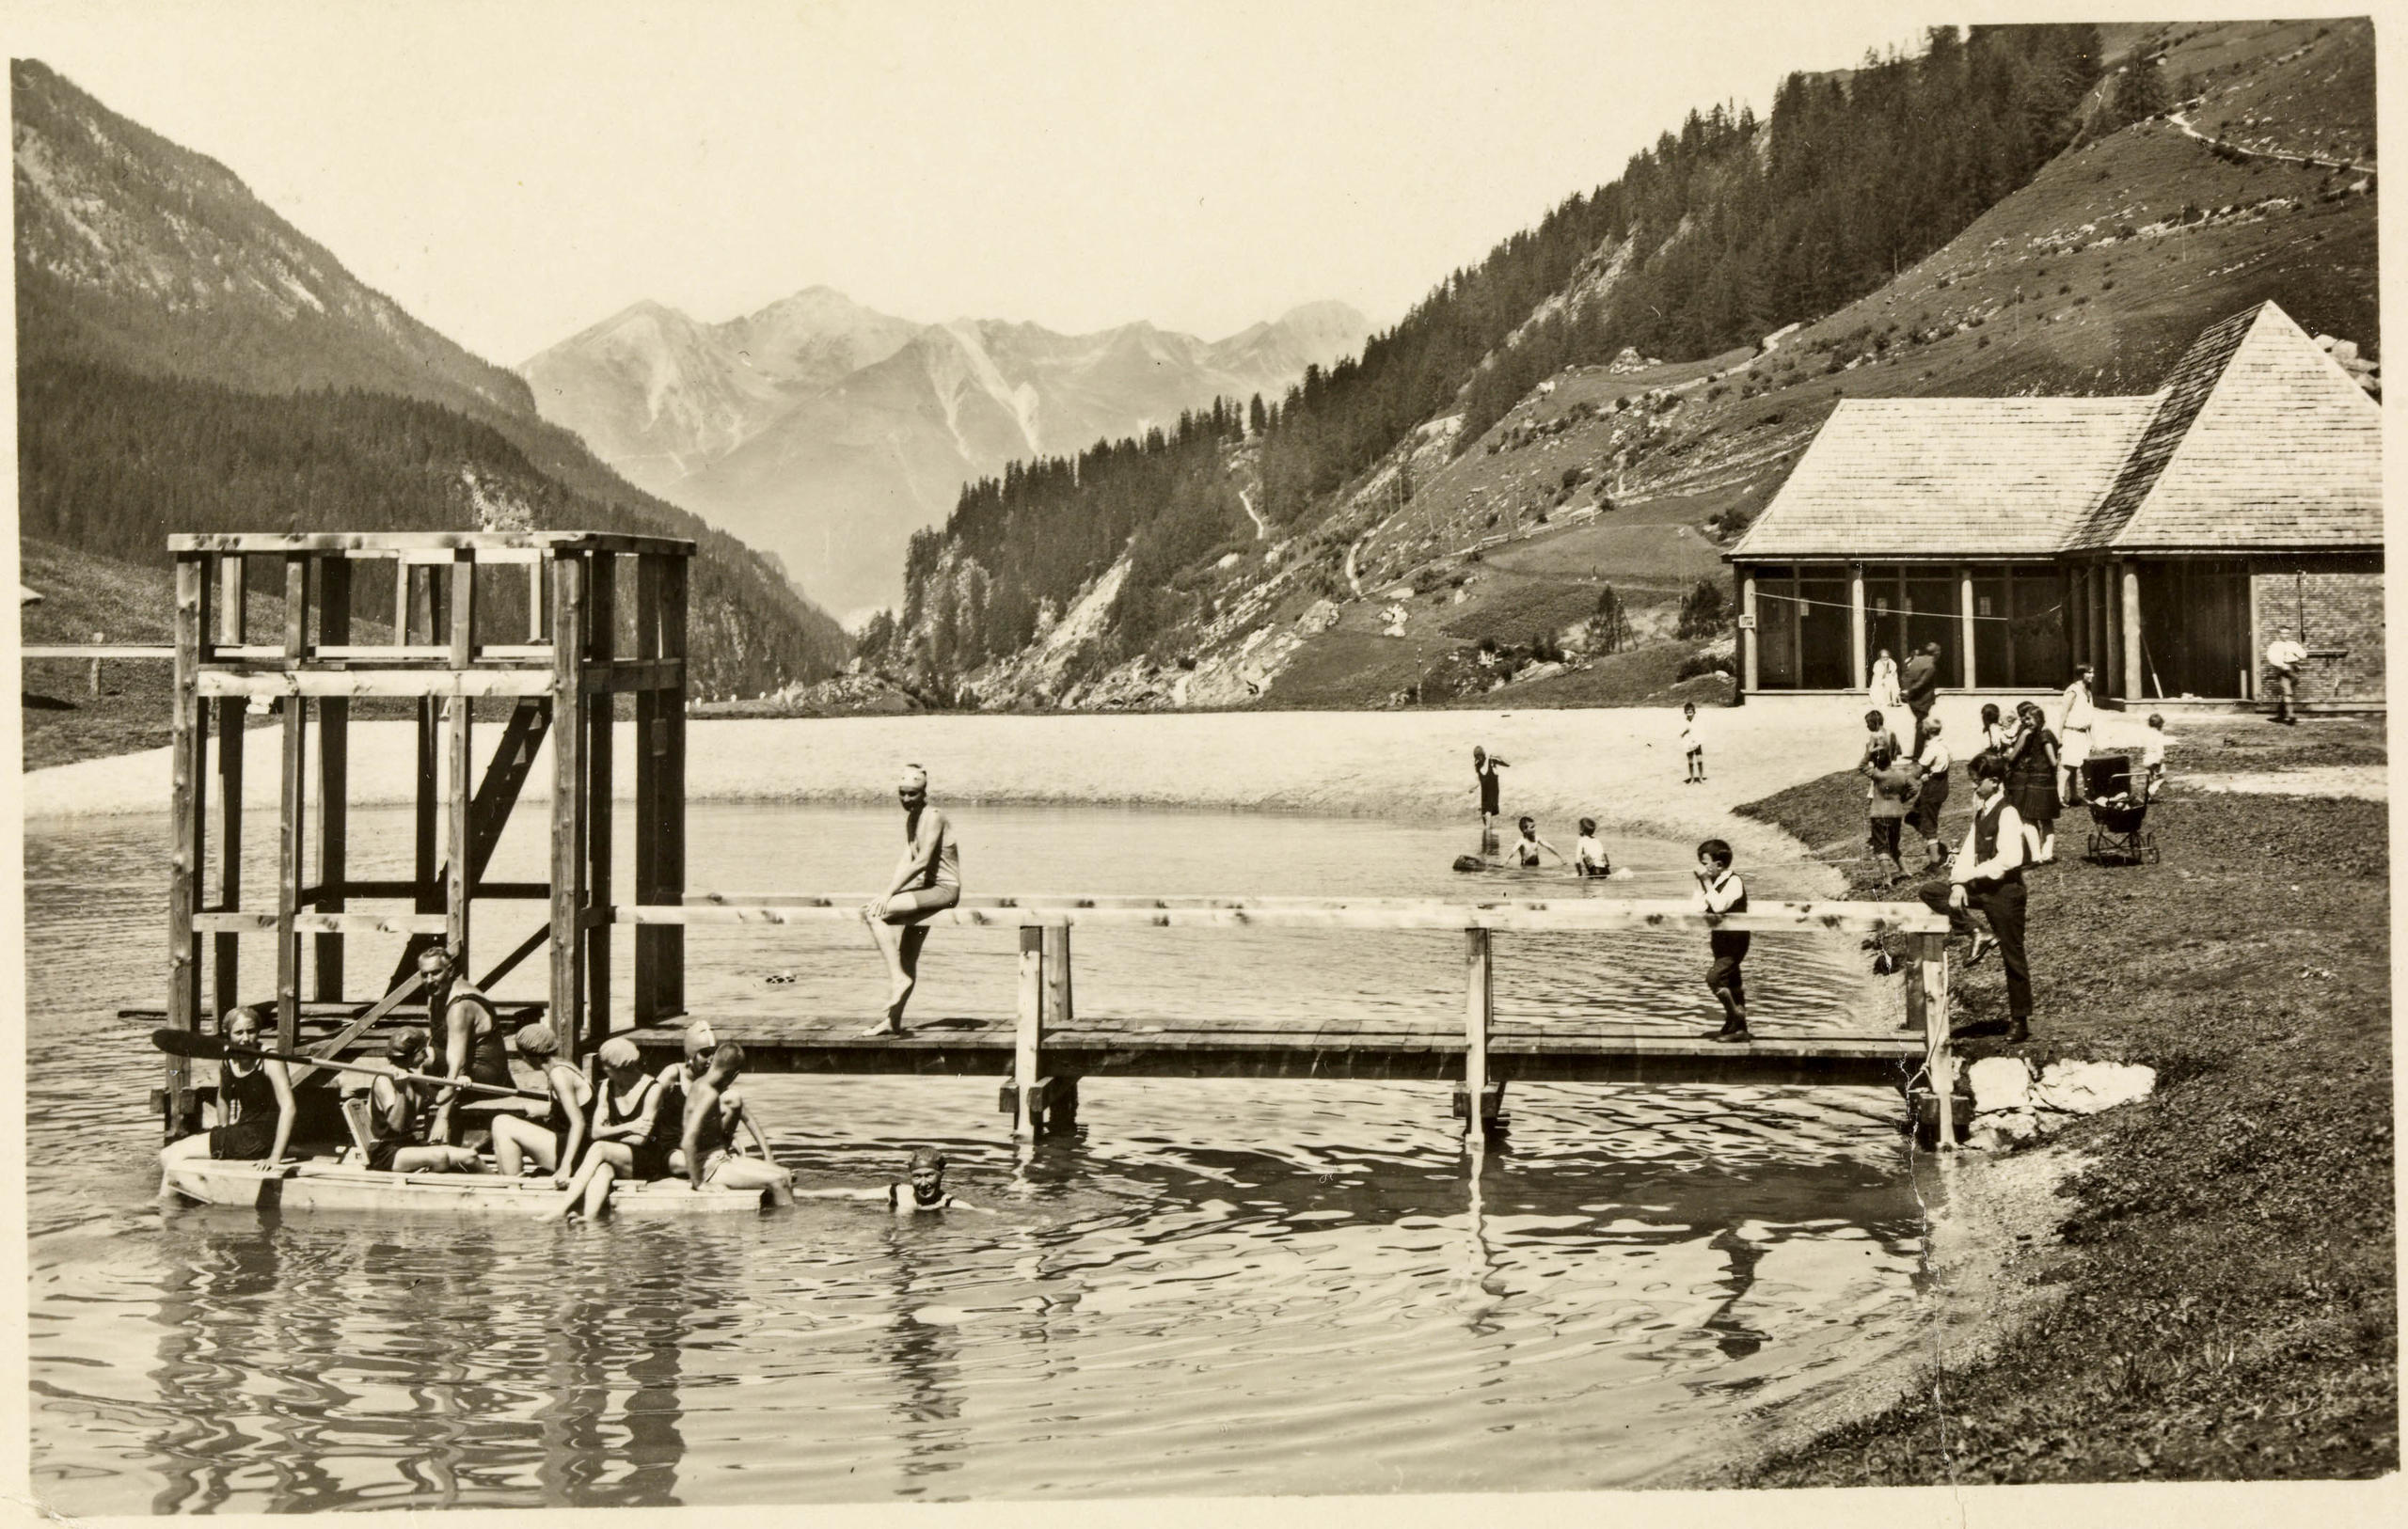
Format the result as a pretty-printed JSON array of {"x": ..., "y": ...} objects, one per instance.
[
  {"x": 382, "y": 1145},
  {"x": 488, "y": 1062},
  {"x": 247, "y": 1104},
  {"x": 651, "y": 1157}
]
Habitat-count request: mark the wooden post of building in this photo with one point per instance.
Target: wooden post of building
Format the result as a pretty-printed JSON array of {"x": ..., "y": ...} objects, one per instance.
[
  {"x": 1480, "y": 1004},
  {"x": 669, "y": 829},
  {"x": 651, "y": 744},
  {"x": 2130, "y": 580},
  {"x": 1965, "y": 622},
  {"x": 1855, "y": 626},
  {"x": 568, "y": 824},
  {"x": 1057, "y": 1097},
  {"x": 1028, "y": 1033},
  {"x": 1931, "y": 976},
  {"x": 601, "y": 710},
  {"x": 1747, "y": 633},
  {"x": 458, "y": 729},
  {"x": 334, "y": 780},
  {"x": 291, "y": 839},
  {"x": 2257, "y": 642},
  {"x": 226, "y": 963},
  {"x": 185, "y": 807}
]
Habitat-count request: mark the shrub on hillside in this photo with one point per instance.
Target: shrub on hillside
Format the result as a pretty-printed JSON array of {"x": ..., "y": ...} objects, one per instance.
[
  {"x": 1700, "y": 663},
  {"x": 1703, "y": 610}
]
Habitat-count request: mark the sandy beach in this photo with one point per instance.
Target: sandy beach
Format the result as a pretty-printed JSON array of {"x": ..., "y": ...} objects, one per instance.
[{"x": 1623, "y": 766}]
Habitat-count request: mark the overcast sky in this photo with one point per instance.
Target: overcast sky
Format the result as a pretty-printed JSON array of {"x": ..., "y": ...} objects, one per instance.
[{"x": 513, "y": 176}]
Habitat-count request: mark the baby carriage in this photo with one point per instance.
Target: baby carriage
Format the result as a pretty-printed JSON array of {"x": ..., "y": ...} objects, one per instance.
[{"x": 2118, "y": 811}]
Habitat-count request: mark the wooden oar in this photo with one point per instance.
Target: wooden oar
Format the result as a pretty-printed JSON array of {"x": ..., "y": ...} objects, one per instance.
[{"x": 188, "y": 1043}]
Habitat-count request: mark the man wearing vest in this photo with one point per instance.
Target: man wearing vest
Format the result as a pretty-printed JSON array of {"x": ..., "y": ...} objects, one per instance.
[
  {"x": 1988, "y": 875},
  {"x": 466, "y": 1031}
]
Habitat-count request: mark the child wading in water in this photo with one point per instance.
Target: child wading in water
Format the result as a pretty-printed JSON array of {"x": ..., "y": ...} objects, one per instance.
[
  {"x": 1691, "y": 744},
  {"x": 1721, "y": 891},
  {"x": 1526, "y": 848},
  {"x": 1588, "y": 857}
]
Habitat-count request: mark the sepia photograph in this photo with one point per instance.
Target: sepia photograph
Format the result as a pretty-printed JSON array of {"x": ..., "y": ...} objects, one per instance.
[{"x": 823, "y": 755}]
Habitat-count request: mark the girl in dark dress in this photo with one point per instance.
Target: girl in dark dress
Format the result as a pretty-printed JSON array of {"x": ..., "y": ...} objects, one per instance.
[{"x": 2032, "y": 780}]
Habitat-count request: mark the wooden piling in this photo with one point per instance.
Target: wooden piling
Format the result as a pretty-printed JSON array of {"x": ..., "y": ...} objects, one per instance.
[
  {"x": 225, "y": 574},
  {"x": 1028, "y": 1040},
  {"x": 291, "y": 837},
  {"x": 568, "y": 802},
  {"x": 459, "y": 749},
  {"x": 1940, "y": 1058},
  {"x": 668, "y": 827},
  {"x": 1480, "y": 1005},
  {"x": 651, "y": 745},
  {"x": 601, "y": 634},
  {"x": 184, "y": 810},
  {"x": 334, "y": 783}
]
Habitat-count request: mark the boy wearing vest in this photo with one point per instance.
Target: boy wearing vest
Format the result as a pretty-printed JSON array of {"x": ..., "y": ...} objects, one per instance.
[
  {"x": 1721, "y": 891},
  {"x": 1988, "y": 875}
]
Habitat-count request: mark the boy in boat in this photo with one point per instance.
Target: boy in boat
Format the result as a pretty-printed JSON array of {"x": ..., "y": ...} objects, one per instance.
[
  {"x": 925, "y": 1192},
  {"x": 554, "y": 1141},
  {"x": 928, "y": 880},
  {"x": 715, "y": 1113},
  {"x": 1721, "y": 891},
  {"x": 1588, "y": 857},
  {"x": 397, "y": 1108},
  {"x": 627, "y": 1132},
  {"x": 254, "y": 1104},
  {"x": 467, "y": 1031}
]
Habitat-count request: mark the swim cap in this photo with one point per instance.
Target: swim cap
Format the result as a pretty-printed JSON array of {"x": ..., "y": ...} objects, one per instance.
[
  {"x": 536, "y": 1041},
  {"x": 927, "y": 1158},
  {"x": 912, "y": 779},
  {"x": 619, "y": 1051},
  {"x": 406, "y": 1046},
  {"x": 699, "y": 1038}
]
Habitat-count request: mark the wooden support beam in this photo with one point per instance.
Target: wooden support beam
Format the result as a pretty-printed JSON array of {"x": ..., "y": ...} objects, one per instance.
[
  {"x": 226, "y": 958},
  {"x": 334, "y": 781},
  {"x": 669, "y": 827},
  {"x": 650, "y": 744},
  {"x": 1747, "y": 658},
  {"x": 1028, "y": 1052},
  {"x": 358, "y": 1026},
  {"x": 1480, "y": 1011},
  {"x": 1965, "y": 623},
  {"x": 1855, "y": 626},
  {"x": 462, "y": 612},
  {"x": 484, "y": 891},
  {"x": 2135, "y": 686},
  {"x": 1939, "y": 1056},
  {"x": 602, "y": 635},
  {"x": 354, "y": 683},
  {"x": 506, "y": 773},
  {"x": 518, "y": 953},
  {"x": 1056, "y": 944},
  {"x": 388, "y": 543},
  {"x": 568, "y": 731},
  {"x": 185, "y": 808},
  {"x": 291, "y": 838},
  {"x": 992, "y": 911},
  {"x": 231, "y": 609},
  {"x": 457, "y": 800},
  {"x": 261, "y": 921}
]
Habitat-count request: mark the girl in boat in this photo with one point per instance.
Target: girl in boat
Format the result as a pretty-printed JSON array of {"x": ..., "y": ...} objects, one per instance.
[
  {"x": 626, "y": 1132},
  {"x": 397, "y": 1114},
  {"x": 254, "y": 1103},
  {"x": 554, "y": 1141},
  {"x": 928, "y": 880}
]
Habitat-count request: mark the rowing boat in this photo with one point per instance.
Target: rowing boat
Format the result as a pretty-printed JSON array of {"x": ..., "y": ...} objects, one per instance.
[{"x": 332, "y": 1186}]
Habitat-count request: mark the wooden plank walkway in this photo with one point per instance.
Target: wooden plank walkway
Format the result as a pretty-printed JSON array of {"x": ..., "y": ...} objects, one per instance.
[{"x": 1092, "y": 1047}]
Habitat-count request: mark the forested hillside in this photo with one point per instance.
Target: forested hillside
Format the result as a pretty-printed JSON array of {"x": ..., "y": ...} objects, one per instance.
[{"x": 1727, "y": 229}]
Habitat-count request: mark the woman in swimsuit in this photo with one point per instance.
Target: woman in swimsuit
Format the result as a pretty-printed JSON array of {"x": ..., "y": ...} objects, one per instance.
[
  {"x": 254, "y": 1104},
  {"x": 627, "y": 1132},
  {"x": 397, "y": 1116},
  {"x": 928, "y": 880},
  {"x": 554, "y": 1139}
]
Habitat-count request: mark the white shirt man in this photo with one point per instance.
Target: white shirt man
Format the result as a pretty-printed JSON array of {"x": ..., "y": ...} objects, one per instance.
[{"x": 2073, "y": 731}]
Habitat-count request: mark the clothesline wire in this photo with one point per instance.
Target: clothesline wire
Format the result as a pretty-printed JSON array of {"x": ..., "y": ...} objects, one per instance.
[{"x": 1872, "y": 614}]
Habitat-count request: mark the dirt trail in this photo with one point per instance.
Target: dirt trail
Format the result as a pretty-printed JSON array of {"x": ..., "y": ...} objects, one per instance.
[{"x": 2182, "y": 121}]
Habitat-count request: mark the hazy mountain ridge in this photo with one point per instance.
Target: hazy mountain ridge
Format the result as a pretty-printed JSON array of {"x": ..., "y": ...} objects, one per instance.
[
  {"x": 141, "y": 259},
  {"x": 828, "y": 432}
]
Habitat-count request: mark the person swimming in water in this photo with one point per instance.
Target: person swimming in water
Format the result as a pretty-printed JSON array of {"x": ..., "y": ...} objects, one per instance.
[
  {"x": 923, "y": 1193},
  {"x": 1526, "y": 849}
]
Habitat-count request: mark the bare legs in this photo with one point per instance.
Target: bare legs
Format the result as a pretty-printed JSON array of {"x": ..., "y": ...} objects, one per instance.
[
  {"x": 899, "y": 944},
  {"x": 517, "y": 1141},
  {"x": 604, "y": 1162}
]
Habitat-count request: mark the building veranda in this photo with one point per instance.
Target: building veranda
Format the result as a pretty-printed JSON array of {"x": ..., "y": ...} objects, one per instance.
[{"x": 2166, "y": 539}]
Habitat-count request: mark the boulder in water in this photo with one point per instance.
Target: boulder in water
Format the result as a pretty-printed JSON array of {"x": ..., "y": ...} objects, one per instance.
[{"x": 1470, "y": 863}]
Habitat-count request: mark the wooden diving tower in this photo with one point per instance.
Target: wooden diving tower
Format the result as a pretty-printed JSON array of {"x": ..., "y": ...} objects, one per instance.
[{"x": 555, "y": 626}]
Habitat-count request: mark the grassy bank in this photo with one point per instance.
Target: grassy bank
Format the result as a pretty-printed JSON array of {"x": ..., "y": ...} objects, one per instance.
[{"x": 2228, "y": 1306}]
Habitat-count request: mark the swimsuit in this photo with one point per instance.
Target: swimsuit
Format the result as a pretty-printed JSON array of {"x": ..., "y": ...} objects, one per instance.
[
  {"x": 247, "y": 1104},
  {"x": 651, "y": 1157},
  {"x": 487, "y": 1061}
]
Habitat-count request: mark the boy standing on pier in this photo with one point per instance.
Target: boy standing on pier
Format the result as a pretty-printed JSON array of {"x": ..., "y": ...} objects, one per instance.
[{"x": 1721, "y": 891}]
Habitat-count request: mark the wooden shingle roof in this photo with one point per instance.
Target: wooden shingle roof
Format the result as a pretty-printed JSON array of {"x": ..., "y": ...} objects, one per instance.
[
  {"x": 2259, "y": 441},
  {"x": 1948, "y": 477},
  {"x": 2276, "y": 448}
]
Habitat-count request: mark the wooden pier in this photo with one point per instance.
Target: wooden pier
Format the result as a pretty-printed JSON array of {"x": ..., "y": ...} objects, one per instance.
[{"x": 557, "y": 624}]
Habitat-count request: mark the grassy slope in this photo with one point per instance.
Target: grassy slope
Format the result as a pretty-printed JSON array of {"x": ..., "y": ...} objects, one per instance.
[
  {"x": 2060, "y": 309},
  {"x": 2228, "y": 1302}
]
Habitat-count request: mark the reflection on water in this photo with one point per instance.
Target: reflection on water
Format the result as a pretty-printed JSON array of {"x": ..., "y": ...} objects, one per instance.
[{"x": 1218, "y": 1287}]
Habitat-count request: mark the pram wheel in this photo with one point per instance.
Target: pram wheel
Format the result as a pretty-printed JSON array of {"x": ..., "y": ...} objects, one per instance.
[{"x": 2148, "y": 847}]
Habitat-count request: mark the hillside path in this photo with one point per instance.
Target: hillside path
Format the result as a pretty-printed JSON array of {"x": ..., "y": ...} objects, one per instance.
[
  {"x": 1262, "y": 531},
  {"x": 2183, "y": 122}
]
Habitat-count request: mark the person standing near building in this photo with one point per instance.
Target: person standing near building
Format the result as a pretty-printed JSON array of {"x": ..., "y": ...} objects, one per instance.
[
  {"x": 1920, "y": 685},
  {"x": 1721, "y": 891},
  {"x": 1931, "y": 792},
  {"x": 1988, "y": 877},
  {"x": 2032, "y": 780},
  {"x": 2283, "y": 660},
  {"x": 2073, "y": 730}
]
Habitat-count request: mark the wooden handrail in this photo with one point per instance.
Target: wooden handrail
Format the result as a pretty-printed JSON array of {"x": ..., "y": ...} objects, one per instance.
[{"x": 1532, "y": 914}]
